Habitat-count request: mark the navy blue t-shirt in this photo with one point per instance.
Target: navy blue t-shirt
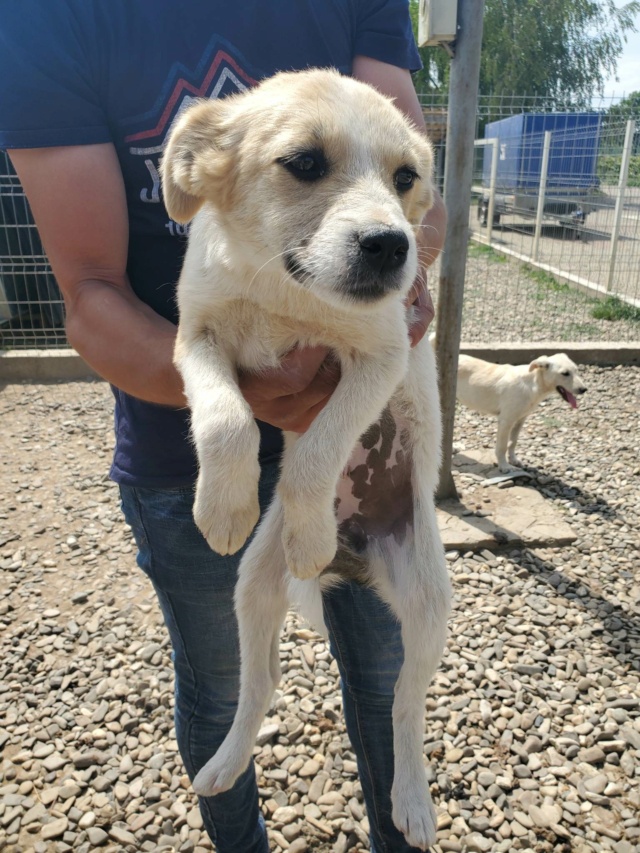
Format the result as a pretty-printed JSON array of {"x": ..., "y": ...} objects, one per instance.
[{"x": 81, "y": 72}]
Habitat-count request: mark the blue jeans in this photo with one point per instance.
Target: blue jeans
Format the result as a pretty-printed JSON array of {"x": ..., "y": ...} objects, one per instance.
[{"x": 195, "y": 589}]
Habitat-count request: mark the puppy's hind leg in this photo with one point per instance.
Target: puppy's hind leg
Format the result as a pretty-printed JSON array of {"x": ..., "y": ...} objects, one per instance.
[
  {"x": 420, "y": 595},
  {"x": 502, "y": 440},
  {"x": 261, "y": 604},
  {"x": 513, "y": 440},
  {"x": 422, "y": 606}
]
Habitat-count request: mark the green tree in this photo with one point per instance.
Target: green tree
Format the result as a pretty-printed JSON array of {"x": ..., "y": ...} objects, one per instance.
[
  {"x": 558, "y": 50},
  {"x": 614, "y": 129},
  {"x": 625, "y": 109},
  {"x": 562, "y": 50}
]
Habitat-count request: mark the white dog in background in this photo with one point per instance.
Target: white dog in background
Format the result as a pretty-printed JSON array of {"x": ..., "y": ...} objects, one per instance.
[
  {"x": 513, "y": 392},
  {"x": 307, "y": 192}
]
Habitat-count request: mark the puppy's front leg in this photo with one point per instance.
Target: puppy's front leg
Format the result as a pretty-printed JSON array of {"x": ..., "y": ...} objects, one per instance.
[
  {"x": 311, "y": 467},
  {"x": 227, "y": 442}
]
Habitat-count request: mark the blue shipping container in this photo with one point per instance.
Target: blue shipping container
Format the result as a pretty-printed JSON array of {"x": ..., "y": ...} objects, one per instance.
[{"x": 572, "y": 157}]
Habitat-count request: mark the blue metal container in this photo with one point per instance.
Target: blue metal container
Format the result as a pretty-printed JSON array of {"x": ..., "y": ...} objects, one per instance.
[{"x": 572, "y": 158}]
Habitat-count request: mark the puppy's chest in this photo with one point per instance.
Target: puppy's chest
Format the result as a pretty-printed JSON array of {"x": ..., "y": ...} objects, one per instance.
[{"x": 258, "y": 338}]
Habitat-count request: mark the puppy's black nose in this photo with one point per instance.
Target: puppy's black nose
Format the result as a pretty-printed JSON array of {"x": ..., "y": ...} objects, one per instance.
[
  {"x": 384, "y": 249},
  {"x": 581, "y": 390}
]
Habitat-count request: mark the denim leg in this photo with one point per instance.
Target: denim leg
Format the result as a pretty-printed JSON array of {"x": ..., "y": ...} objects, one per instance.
[
  {"x": 367, "y": 644},
  {"x": 195, "y": 589}
]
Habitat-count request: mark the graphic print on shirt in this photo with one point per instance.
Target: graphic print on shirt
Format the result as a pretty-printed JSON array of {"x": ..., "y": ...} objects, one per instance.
[{"x": 222, "y": 71}]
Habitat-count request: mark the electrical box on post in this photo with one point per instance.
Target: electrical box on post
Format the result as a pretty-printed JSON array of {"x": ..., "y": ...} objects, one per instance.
[{"x": 437, "y": 22}]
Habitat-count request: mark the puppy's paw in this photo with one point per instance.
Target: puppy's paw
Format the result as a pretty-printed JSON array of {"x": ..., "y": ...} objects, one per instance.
[
  {"x": 225, "y": 523},
  {"x": 220, "y": 773},
  {"x": 310, "y": 542},
  {"x": 413, "y": 813},
  {"x": 514, "y": 462},
  {"x": 505, "y": 467}
]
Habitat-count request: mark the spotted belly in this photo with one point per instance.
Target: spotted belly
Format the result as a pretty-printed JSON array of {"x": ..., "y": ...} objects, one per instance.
[{"x": 374, "y": 498}]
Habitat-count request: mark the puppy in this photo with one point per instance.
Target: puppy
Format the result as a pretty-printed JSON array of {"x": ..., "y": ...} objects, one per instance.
[
  {"x": 512, "y": 393},
  {"x": 307, "y": 192}
]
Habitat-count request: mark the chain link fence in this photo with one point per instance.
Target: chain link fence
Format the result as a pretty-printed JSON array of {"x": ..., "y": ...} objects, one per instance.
[{"x": 554, "y": 250}]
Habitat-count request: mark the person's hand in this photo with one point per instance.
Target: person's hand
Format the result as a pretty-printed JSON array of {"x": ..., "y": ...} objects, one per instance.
[
  {"x": 291, "y": 395},
  {"x": 419, "y": 299}
]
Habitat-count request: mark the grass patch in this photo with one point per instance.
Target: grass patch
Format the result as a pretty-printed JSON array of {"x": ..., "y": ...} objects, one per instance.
[
  {"x": 611, "y": 308},
  {"x": 479, "y": 250},
  {"x": 614, "y": 309},
  {"x": 545, "y": 279},
  {"x": 584, "y": 331}
]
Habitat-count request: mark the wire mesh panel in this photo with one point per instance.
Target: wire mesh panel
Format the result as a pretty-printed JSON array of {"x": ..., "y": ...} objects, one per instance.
[
  {"x": 31, "y": 308},
  {"x": 560, "y": 258}
]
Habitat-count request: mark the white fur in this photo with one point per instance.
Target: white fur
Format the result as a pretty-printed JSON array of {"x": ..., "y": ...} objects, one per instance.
[
  {"x": 240, "y": 308},
  {"x": 512, "y": 393}
]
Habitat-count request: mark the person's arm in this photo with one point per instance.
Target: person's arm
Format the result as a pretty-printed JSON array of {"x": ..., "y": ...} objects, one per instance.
[{"x": 78, "y": 201}]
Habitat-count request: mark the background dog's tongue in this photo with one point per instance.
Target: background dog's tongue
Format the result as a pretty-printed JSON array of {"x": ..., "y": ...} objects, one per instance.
[{"x": 571, "y": 400}]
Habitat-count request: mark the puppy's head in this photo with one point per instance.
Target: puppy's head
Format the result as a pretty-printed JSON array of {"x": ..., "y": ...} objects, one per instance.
[
  {"x": 559, "y": 372},
  {"x": 314, "y": 175}
]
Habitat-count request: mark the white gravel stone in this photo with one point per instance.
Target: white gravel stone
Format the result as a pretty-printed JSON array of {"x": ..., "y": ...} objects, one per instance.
[{"x": 532, "y": 739}]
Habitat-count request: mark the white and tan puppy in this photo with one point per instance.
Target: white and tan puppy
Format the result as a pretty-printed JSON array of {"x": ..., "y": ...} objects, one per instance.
[
  {"x": 306, "y": 193},
  {"x": 513, "y": 392}
]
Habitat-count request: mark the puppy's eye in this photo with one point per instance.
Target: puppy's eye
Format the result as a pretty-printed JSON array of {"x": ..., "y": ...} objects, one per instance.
[
  {"x": 404, "y": 178},
  {"x": 305, "y": 165},
  {"x": 566, "y": 373}
]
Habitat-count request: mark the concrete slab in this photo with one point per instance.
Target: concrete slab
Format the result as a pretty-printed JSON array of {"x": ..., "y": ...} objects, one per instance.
[
  {"x": 57, "y": 365},
  {"x": 515, "y": 516},
  {"x": 65, "y": 365},
  {"x": 584, "y": 352}
]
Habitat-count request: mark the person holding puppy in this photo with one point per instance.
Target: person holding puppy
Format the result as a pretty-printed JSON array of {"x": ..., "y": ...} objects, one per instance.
[{"x": 87, "y": 97}]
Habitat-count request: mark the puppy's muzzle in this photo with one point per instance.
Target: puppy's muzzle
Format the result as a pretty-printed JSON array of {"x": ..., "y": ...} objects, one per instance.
[
  {"x": 383, "y": 250},
  {"x": 377, "y": 256}
]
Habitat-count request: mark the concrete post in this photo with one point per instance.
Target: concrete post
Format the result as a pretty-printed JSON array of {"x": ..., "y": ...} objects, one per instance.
[
  {"x": 542, "y": 192},
  {"x": 622, "y": 186},
  {"x": 493, "y": 180}
]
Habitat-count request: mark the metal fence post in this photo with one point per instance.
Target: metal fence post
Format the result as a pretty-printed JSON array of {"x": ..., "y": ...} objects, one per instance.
[
  {"x": 495, "y": 151},
  {"x": 622, "y": 186},
  {"x": 461, "y": 125},
  {"x": 542, "y": 193}
]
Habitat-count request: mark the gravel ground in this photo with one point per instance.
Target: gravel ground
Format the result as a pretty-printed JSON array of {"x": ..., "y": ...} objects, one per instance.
[
  {"x": 533, "y": 306},
  {"x": 533, "y": 730}
]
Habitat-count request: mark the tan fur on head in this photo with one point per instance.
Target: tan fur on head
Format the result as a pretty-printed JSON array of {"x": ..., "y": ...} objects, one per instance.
[{"x": 229, "y": 154}]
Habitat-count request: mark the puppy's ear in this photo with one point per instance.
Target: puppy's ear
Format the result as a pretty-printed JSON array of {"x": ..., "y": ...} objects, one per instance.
[
  {"x": 541, "y": 362},
  {"x": 196, "y": 162}
]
